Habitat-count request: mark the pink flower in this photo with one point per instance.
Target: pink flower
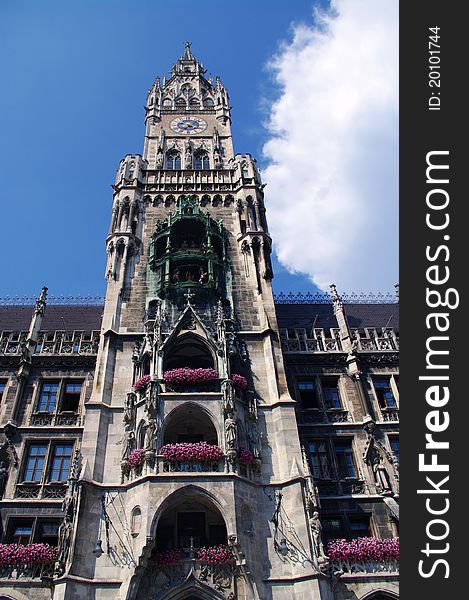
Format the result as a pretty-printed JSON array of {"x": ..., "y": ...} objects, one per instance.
[
  {"x": 186, "y": 375},
  {"x": 15, "y": 554},
  {"x": 246, "y": 457},
  {"x": 191, "y": 452},
  {"x": 215, "y": 555},
  {"x": 168, "y": 557},
  {"x": 363, "y": 549},
  {"x": 142, "y": 383},
  {"x": 137, "y": 457},
  {"x": 239, "y": 381}
]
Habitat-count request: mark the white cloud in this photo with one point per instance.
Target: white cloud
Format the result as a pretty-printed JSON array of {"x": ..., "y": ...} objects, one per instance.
[{"x": 332, "y": 179}]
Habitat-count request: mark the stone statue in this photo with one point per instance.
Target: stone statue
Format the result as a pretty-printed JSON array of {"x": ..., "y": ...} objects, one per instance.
[
  {"x": 255, "y": 441},
  {"x": 3, "y": 477},
  {"x": 129, "y": 444},
  {"x": 228, "y": 396},
  {"x": 65, "y": 534},
  {"x": 188, "y": 156},
  {"x": 150, "y": 435},
  {"x": 316, "y": 530},
  {"x": 217, "y": 162},
  {"x": 159, "y": 158},
  {"x": 231, "y": 432},
  {"x": 380, "y": 473},
  {"x": 129, "y": 408}
]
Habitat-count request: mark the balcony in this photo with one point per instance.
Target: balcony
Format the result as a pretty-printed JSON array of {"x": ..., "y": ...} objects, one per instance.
[
  {"x": 345, "y": 487},
  {"x": 318, "y": 416},
  {"x": 364, "y": 555},
  {"x": 26, "y": 572},
  {"x": 361, "y": 567},
  {"x": 390, "y": 414},
  {"x": 298, "y": 340}
]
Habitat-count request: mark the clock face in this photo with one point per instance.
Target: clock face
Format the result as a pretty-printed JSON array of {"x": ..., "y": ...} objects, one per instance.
[{"x": 188, "y": 125}]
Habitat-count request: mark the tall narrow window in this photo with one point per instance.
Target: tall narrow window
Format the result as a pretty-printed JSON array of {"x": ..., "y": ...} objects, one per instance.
[
  {"x": 202, "y": 161},
  {"x": 48, "y": 397},
  {"x": 60, "y": 465},
  {"x": 344, "y": 457},
  {"x": 330, "y": 392},
  {"x": 47, "y": 532},
  {"x": 173, "y": 161},
  {"x": 308, "y": 394},
  {"x": 35, "y": 462},
  {"x": 319, "y": 459},
  {"x": 384, "y": 392},
  {"x": 3, "y": 386},
  {"x": 71, "y": 397}
]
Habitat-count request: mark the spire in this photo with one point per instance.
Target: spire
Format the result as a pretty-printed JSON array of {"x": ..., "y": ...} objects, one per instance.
[{"x": 187, "y": 51}]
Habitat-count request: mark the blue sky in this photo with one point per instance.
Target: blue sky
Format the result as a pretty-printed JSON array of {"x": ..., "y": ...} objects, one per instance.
[{"x": 75, "y": 76}]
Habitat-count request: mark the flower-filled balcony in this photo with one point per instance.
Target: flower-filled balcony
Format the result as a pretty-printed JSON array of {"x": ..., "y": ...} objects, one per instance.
[
  {"x": 364, "y": 555},
  {"x": 32, "y": 561},
  {"x": 186, "y": 457},
  {"x": 189, "y": 380}
]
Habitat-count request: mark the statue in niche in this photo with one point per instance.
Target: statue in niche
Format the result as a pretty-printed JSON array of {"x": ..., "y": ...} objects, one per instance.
[
  {"x": 188, "y": 155},
  {"x": 65, "y": 536},
  {"x": 136, "y": 353},
  {"x": 380, "y": 473},
  {"x": 129, "y": 444},
  {"x": 254, "y": 441},
  {"x": 217, "y": 162},
  {"x": 231, "y": 432},
  {"x": 3, "y": 477},
  {"x": 227, "y": 389},
  {"x": 150, "y": 435},
  {"x": 159, "y": 158},
  {"x": 129, "y": 408},
  {"x": 316, "y": 530}
]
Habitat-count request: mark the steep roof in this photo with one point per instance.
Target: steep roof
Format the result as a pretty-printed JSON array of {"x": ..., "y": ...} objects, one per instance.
[
  {"x": 63, "y": 318},
  {"x": 322, "y": 315}
]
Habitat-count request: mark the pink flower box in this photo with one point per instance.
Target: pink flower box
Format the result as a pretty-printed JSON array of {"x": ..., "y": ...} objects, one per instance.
[
  {"x": 169, "y": 557},
  {"x": 240, "y": 381},
  {"x": 15, "y": 554},
  {"x": 195, "y": 452},
  {"x": 215, "y": 555},
  {"x": 142, "y": 383},
  {"x": 363, "y": 549},
  {"x": 246, "y": 457},
  {"x": 137, "y": 458},
  {"x": 186, "y": 375}
]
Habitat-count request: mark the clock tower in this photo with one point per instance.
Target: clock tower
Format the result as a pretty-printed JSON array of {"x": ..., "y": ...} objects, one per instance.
[{"x": 193, "y": 482}]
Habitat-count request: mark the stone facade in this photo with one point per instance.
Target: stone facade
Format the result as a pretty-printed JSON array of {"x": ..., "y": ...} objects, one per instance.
[{"x": 190, "y": 352}]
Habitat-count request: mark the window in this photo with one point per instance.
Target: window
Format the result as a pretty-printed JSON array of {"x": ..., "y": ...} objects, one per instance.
[
  {"x": 202, "y": 161},
  {"x": 33, "y": 530},
  {"x": 21, "y": 531},
  {"x": 208, "y": 103},
  {"x": 319, "y": 456},
  {"x": 58, "y": 457},
  {"x": 48, "y": 397},
  {"x": 60, "y": 465},
  {"x": 359, "y": 527},
  {"x": 394, "y": 443},
  {"x": 330, "y": 392},
  {"x": 384, "y": 392},
  {"x": 71, "y": 397},
  {"x": 332, "y": 529},
  {"x": 344, "y": 457},
  {"x": 173, "y": 161},
  {"x": 35, "y": 462},
  {"x": 61, "y": 396},
  {"x": 308, "y": 394}
]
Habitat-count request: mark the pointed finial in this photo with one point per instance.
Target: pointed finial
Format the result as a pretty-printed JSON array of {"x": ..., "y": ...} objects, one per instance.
[
  {"x": 41, "y": 302},
  {"x": 187, "y": 51},
  {"x": 396, "y": 287},
  {"x": 336, "y": 299}
]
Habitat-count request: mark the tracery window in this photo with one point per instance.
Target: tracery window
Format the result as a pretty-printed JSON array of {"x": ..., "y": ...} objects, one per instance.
[
  {"x": 202, "y": 161},
  {"x": 173, "y": 161}
]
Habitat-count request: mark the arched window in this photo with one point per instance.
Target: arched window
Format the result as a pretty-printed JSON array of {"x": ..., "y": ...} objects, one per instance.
[
  {"x": 173, "y": 160},
  {"x": 180, "y": 103},
  {"x": 167, "y": 103},
  {"x": 202, "y": 161},
  {"x": 208, "y": 102}
]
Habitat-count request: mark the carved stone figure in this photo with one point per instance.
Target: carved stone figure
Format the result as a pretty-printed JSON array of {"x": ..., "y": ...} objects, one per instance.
[
  {"x": 316, "y": 530},
  {"x": 217, "y": 162},
  {"x": 188, "y": 155},
  {"x": 159, "y": 158},
  {"x": 3, "y": 477},
  {"x": 129, "y": 408},
  {"x": 380, "y": 473},
  {"x": 129, "y": 444},
  {"x": 231, "y": 432},
  {"x": 254, "y": 441},
  {"x": 65, "y": 534},
  {"x": 228, "y": 396},
  {"x": 150, "y": 435}
]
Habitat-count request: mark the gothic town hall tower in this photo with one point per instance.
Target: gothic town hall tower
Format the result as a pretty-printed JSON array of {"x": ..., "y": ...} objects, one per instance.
[{"x": 192, "y": 467}]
